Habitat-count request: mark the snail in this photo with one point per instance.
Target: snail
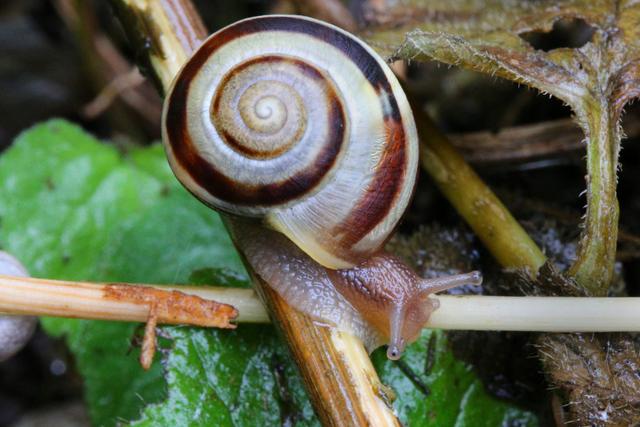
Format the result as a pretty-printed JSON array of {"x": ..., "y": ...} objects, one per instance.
[{"x": 301, "y": 133}]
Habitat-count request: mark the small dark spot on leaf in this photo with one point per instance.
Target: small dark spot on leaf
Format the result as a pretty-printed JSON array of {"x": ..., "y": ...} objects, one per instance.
[
  {"x": 571, "y": 33},
  {"x": 50, "y": 184},
  {"x": 430, "y": 357},
  {"x": 413, "y": 377},
  {"x": 66, "y": 259},
  {"x": 164, "y": 191},
  {"x": 289, "y": 413},
  {"x": 135, "y": 341}
]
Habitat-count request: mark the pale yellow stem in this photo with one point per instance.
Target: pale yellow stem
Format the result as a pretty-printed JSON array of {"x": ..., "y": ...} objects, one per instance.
[{"x": 43, "y": 297}]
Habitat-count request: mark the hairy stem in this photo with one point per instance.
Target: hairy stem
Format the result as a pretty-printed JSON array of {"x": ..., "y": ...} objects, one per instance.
[{"x": 595, "y": 261}]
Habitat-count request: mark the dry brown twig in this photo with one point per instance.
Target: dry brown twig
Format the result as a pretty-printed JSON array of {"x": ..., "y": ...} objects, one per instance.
[
  {"x": 551, "y": 139},
  {"x": 109, "y": 72},
  {"x": 117, "y": 87}
]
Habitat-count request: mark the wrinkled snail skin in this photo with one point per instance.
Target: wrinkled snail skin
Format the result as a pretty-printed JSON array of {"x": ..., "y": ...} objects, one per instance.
[
  {"x": 292, "y": 123},
  {"x": 301, "y": 281},
  {"x": 380, "y": 301},
  {"x": 392, "y": 298},
  {"x": 298, "y": 123}
]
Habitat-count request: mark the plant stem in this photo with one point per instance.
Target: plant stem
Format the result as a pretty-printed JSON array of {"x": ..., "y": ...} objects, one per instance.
[
  {"x": 163, "y": 32},
  {"x": 336, "y": 369},
  {"x": 113, "y": 301},
  {"x": 45, "y": 297},
  {"x": 537, "y": 314},
  {"x": 167, "y": 31},
  {"x": 475, "y": 202},
  {"x": 595, "y": 261},
  {"x": 529, "y": 143}
]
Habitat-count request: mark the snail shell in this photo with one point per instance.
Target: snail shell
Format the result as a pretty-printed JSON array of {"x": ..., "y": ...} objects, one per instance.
[{"x": 298, "y": 123}]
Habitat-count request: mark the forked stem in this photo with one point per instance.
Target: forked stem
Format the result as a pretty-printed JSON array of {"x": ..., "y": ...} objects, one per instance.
[{"x": 596, "y": 255}]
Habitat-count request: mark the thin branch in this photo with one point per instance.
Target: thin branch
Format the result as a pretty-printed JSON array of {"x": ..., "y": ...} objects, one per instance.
[
  {"x": 117, "y": 86},
  {"x": 531, "y": 142},
  {"x": 520, "y": 143},
  {"x": 539, "y": 314},
  {"x": 115, "y": 301},
  {"x": 103, "y": 64},
  {"x": 492, "y": 222},
  {"x": 105, "y": 301}
]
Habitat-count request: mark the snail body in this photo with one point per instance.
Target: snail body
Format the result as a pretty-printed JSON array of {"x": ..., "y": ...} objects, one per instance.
[{"x": 302, "y": 127}]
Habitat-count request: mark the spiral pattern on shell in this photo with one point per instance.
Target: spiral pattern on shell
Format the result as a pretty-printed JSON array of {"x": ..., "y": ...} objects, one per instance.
[{"x": 297, "y": 122}]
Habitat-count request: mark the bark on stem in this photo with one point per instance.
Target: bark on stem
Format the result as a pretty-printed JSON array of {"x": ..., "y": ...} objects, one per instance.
[{"x": 166, "y": 32}]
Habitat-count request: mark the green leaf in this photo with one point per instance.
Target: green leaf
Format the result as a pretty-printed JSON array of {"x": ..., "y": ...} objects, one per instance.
[
  {"x": 435, "y": 389},
  {"x": 87, "y": 212},
  {"x": 241, "y": 378}
]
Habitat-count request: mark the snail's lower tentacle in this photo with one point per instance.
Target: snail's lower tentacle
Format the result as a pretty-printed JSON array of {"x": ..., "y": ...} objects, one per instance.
[{"x": 396, "y": 338}]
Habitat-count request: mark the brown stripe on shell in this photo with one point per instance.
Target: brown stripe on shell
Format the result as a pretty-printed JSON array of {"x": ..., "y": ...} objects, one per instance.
[
  {"x": 223, "y": 187},
  {"x": 247, "y": 151},
  {"x": 380, "y": 195},
  {"x": 351, "y": 48}
]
